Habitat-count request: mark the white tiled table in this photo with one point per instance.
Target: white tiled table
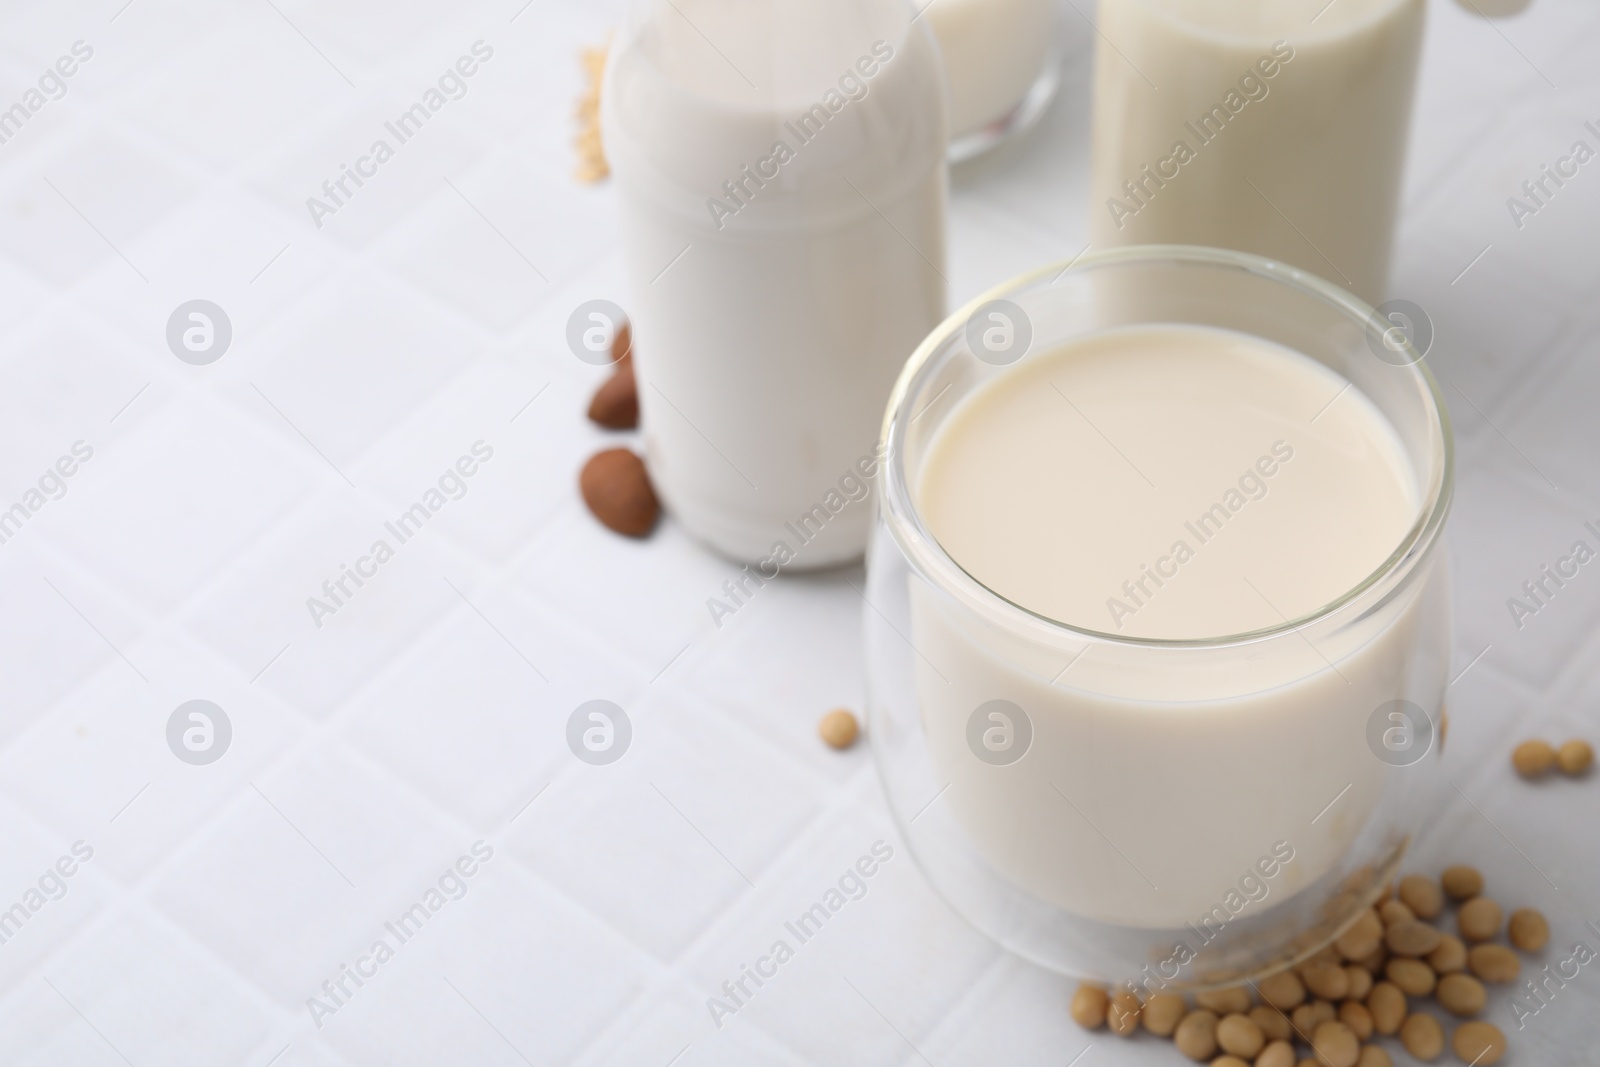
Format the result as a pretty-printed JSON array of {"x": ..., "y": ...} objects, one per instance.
[{"x": 428, "y": 714}]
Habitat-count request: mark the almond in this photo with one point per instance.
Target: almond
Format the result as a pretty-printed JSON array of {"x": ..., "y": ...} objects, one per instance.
[
  {"x": 622, "y": 346},
  {"x": 616, "y": 403},
  {"x": 617, "y": 490}
]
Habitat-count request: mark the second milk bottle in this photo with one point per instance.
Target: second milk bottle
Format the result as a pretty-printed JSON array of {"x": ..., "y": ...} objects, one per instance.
[{"x": 780, "y": 170}]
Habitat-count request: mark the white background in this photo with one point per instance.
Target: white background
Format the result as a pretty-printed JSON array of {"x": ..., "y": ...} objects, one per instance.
[{"x": 430, "y": 711}]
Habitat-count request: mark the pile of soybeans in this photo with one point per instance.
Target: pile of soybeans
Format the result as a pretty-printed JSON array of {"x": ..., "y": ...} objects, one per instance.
[{"x": 1330, "y": 1010}]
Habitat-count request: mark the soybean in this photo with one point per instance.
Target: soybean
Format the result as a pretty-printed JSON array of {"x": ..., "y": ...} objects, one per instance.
[
  {"x": 1422, "y": 895},
  {"x": 1277, "y": 1054},
  {"x": 1462, "y": 994},
  {"x": 1387, "y": 1003},
  {"x": 1494, "y": 963},
  {"x": 1225, "y": 1001},
  {"x": 1307, "y": 1017},
  {"x": 839, "y": 729},
  {"x": 1123, "y": 1015},
  {"x": 1411, "y": 938},
  {"x": 1479, "y": 1043},
  {"x": 1196, "y": 1035},
  {"x": 1360, "y": 982},
  {"x": 1336, "y": 1045},
  {"x": 1393, "y": 911},
  {"x": 1162, "y": 1013},
  {"x": 1414, "y": 977},
  {"x": 1364, "y": 935},
  {"x": 1240, "y": 1037},
  {"x": 1283, "y": 990},
  {"x": 1528, "y": 930},
  {"x": 1478, "y": 919},
  {"x": 1089, "y": 1003},
  {"x": 1274, "y": 1023},
  {"x": 1451, "y": 955},
  {"x": 1533, "y": 758},
  {"x": 1326, "y": 980},
  {"x": 1461, "y": 882},
  {"x": 1575, "y": 757},
  {"x": 1355, "y": 1015},
  {"x": 1423, "y": 1037}
]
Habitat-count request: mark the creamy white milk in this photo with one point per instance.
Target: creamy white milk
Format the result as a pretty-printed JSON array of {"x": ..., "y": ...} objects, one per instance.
[
  {"x": 780, "y": 173},
  {"x": 1270, "y": 126},
  {"x": 1167, "y": 482},
  {"x": 993, "y": 52}
]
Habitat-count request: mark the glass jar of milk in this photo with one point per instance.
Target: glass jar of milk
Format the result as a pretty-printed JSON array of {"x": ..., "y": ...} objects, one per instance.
[
  {"x": 1159, "y": 627},
  {"x": 1001, "y": 60},
  {"x": 780, "y": 171},
  {"x": 1270, "y": 126}
]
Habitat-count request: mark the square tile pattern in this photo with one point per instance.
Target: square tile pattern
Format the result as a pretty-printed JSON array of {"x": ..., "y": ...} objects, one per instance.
[{"x": 399, "y": 861}]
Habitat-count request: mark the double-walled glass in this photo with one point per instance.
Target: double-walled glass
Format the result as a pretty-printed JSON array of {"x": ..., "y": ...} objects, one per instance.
[{"x": 1183, "y": 813}]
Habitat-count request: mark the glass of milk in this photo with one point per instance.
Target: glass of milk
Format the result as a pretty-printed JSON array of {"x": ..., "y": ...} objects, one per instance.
[
  {"x": 1271, "y": 126},
  {"x": 1158, "y": 637},
  {"x": 1001, "y": 58},
  {"x": 780, "y": 172}
]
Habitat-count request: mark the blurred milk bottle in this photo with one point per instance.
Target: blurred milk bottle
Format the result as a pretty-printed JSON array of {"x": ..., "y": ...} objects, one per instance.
[
  {"x": 1269, "y": 126},
  {"x": 780, "y": 170}
]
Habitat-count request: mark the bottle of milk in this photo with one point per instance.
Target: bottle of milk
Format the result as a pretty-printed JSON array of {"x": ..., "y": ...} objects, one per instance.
[
  {"x": 780, "y": 171},
  {"x": 1269, "y": 126}
]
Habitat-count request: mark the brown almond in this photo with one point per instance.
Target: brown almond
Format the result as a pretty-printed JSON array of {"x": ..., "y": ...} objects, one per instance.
[
  {"x": 622, "y": 344},
  {"x": 617, "y": 489},
  {"x": 616, "y": 403}
]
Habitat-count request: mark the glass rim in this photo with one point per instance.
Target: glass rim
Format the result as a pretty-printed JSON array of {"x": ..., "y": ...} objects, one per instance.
[{"x": 926, "y": 554}]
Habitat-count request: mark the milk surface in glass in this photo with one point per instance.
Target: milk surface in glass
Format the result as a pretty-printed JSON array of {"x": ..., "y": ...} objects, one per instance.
[{"x": 1166, "y": 483}]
